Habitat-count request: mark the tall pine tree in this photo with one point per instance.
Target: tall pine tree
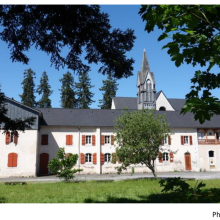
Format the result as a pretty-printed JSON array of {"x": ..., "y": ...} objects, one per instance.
[
  {"x": 83, "y": 91},
  {"x": 109, "y": 89},
  {"x": 28, "y": 97},
  {"x": 45, "y": 89},
  {"x": 68, "y": 99}
]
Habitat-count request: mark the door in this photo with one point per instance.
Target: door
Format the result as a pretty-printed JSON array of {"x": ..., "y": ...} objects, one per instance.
[
  {"x": 44, "y": 159},
  {"x": 212, "y": 160},
  {"x": 188, "y": 161}
]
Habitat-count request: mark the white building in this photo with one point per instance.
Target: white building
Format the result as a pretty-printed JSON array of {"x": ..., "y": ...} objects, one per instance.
[{"x": 89, "y": 133}]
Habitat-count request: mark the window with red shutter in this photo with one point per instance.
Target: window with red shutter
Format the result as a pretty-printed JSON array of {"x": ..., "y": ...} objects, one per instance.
[
  {"x": 44, "y": 139},
  {"x": 69, "y": 139},
  {"x": 12, "y": 160}
]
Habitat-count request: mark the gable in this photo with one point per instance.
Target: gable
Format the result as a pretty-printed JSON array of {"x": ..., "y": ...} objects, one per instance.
[
  {"x": 17, "y": 110},
  {"x": 162, "y": 101}
]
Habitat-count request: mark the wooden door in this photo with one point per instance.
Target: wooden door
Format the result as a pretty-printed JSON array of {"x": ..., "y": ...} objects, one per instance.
[
  {"x": 44, "y": 159},
  {"x": 188, "y": 161}
]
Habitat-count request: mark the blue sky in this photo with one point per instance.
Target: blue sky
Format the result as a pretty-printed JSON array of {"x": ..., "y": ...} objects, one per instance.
[{"x": 175, "y": 82}]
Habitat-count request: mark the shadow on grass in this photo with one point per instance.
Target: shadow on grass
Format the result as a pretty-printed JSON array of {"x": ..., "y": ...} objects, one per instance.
[
  {"x": 212, "y": 197},
  {"x": 2, "y": 200}
]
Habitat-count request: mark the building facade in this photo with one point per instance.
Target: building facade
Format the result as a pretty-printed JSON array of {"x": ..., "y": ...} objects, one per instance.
[{"x": 90, "y": 134}]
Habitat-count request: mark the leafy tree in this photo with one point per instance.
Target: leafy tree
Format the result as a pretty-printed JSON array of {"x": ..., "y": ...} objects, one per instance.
[
  {"x": 138, "y": 136},
  {"x": 83, "y": 91},
  {"x": 68, "y": 99},
  {"x": 54, "y": 27},
  {"x": 63, "y": 165},
  {"x": 44, "y": 89},
  {"x": 193, "y": 32},
  {"x": 28, "y": 97},
  {"x": 109, "y": 89}
]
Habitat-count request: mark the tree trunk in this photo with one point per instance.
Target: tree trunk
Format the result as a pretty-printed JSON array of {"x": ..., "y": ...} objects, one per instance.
[{"x": 152, "y": 168}]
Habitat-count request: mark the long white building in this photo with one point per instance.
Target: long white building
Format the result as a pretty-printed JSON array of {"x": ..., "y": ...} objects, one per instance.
[{"x": 89, "y": 133}]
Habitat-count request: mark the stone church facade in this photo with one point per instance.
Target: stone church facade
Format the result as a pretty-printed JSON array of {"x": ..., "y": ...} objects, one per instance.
[{"x": 90, "y": 134}]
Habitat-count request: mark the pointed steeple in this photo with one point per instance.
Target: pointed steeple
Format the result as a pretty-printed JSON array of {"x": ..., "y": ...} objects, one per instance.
[{"x": 145, "y": 65}]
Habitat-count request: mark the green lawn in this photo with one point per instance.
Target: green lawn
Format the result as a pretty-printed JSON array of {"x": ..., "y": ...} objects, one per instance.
[{"x": 91, "y": 191}]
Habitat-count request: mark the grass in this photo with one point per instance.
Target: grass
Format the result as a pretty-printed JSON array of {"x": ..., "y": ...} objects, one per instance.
[{"x": 129, "y": 191}]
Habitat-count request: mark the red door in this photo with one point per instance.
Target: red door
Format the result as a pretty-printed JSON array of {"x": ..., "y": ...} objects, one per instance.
[
  {"x": 44, "y": 159},
  {"x": 188, "y": 161}
]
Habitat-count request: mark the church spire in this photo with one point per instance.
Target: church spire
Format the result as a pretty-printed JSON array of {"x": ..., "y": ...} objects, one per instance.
[
  {"x": 146, "y": 86},
  {"x": 145, "y": 65}
]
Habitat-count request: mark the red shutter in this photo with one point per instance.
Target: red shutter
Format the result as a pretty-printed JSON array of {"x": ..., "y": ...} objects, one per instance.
[
  {"x": 69, "y": 139},
  {"x": 7, "y": 137},
  {"x": 14, "y": 160},
  {"x": 82, "y": 158},
  {"x": 114, "y": 158},
  {"x": 119, "y": 160},
  {"x": 67, "y": 154},
  {"x": 182, "y": 140},
  {"x": 190, "y": 140},
  {"x": 102, "y": 158},
  {"x": 160, "y": 157},
  {"x": 112, "y": 139},
  {"x": 94, "y": 158},
  {"x": 83, "y": 140},
  {"x": 16, "y": 137},
  {"x": 102, "y": 139},
  {"x": 44, "y": 139},
  {"x": 171, "y": 157},
  {"x": 10, "y": 159},
  {"x": 93, "y": 140},
  {"x": 169, "y": 140}
]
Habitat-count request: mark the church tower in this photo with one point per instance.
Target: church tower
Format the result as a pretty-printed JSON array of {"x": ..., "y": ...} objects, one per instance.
[{"x": 146, "y": 93}]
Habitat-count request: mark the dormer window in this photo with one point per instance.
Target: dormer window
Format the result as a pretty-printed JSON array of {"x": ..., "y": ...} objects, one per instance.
[{"x": 162, "y": 108}]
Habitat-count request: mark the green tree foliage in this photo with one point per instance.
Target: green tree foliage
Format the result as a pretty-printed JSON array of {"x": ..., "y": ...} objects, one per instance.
[
  {"x": 193, "y": 32},
  {"x": 68, "y": 99},
  {"x": 63, "y": 165},
  {"x": 83, "y": 91},
  {"x": 28, "y": 97},
  {"x": 138, "y": 136},
  {"x": 52, "y": 28},
  {"x": 44, "y": 89},
  {"x": 109, "y": 89}
]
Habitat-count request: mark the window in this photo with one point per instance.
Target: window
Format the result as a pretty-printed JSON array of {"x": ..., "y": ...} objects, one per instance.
[
  {"x": 44, "y": 139},
  {"x": 107, "y": 157},
  {"x": 11, "y": 137},
  {"x": 165, "y": 141},
  {"x": 12, "y": 160},
  {"x": 69, "y": 139},
  {"x": 162, "y": 108},
  {"x": 186, "y": 139},
  {"x": 165, "y": 157},
  {"x": 201, "y": 135},
  {"x": 88, "y": 139},
  {"x": 88, "y": 157},
  {"x": 107, "y": 139},
  {"x": 211, "y": 153}
]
